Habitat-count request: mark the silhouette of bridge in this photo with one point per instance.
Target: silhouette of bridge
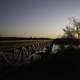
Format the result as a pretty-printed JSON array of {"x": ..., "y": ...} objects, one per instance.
[{"x": 22, "y": 51}]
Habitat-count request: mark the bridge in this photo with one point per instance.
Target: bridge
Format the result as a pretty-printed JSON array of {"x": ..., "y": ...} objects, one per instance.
[{"x": 18, "y": 52}]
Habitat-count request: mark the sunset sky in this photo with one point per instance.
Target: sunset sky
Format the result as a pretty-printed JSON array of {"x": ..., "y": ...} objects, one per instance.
[{"x": 36, "y": 18}]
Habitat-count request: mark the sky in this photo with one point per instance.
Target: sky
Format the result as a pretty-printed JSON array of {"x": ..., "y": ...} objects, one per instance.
[{"x": 36, "y": 18}]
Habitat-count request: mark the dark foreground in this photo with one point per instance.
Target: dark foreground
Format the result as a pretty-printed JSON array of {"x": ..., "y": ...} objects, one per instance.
[{"x": 64, "y": 65}]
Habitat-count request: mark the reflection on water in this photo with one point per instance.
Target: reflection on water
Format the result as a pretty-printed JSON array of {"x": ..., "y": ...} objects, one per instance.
[{"x": 56, "y": 48}]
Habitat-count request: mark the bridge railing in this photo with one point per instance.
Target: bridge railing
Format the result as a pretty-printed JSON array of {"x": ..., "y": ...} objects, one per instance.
[{"x": 24, "y": 54}]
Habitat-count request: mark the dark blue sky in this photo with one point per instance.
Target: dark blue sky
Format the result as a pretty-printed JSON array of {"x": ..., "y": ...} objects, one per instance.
[{"x": 37, "y": 18}]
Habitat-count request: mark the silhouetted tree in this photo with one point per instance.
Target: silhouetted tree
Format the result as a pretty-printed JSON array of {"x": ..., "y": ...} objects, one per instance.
[
  {"x": 76, "y": 26},
  {"x": 73, "y": 30},
  {"x": 69, "y": 32}
]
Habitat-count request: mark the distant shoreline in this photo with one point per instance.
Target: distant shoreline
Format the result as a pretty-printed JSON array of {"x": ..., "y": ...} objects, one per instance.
[{"x": 22, "y": 38}]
